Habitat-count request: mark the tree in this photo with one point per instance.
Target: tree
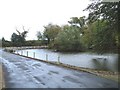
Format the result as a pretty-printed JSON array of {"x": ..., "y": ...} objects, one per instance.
[
  {"x": 39, "y": 35},
  {"x": 0, "y": 42},
  {"x": 19, "y": 39},
  {"x": 23, "y": 34},
  {"x": 69, "y": 39},
  {"x": 5, "y": 43},
  {"x": 107, "y": 12},
  {"x": 51, "y": 31},
  {"x": 98, "y": 37},
  {"x": 78, "y": 22},
  {"x": 105, "y": 40},
  {"x": 3, "y": 39}
]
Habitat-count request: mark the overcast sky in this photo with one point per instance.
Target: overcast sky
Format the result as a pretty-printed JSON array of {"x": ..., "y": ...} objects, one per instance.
[{"x": 34, "y": 14}]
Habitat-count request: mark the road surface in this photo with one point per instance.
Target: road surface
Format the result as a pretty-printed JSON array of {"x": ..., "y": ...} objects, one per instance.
[{"x": 21, "y": 72}]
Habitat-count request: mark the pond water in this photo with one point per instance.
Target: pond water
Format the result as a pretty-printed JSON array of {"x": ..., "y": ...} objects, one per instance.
[{"x": 87, "y": 60}]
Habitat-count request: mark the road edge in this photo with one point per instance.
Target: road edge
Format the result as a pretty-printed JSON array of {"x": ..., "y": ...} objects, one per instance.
[{"x": 2, "y": 82}]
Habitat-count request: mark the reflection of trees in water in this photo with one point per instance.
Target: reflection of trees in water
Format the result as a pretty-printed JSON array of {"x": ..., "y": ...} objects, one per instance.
[
  {"x": 0, "y": 43},
  {"x": 117, "y": 64},
  {"x": 100, "y": 64}
]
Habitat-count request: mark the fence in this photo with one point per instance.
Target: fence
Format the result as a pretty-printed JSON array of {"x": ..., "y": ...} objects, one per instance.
[{"x": 36, "y": 56}]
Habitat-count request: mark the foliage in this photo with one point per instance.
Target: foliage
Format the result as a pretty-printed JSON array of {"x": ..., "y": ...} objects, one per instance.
[
  {"x": 98, "y": 37},
  {"x": 51, "y": 31},
  {"x": 69, "y": 39},
  {"x": 106, "y": 34},
  {"x": 98, "y": 32},
  {"x": 39, "y": 35},
  {"x": 35, "y": 42},
  {"x": 19, "y": 39},
  {"x": 5, "y": 43},
  {"x": 0, "y": 43},
  {"x": 106, "y": 10},
  {"x": 78, "y": 22}
]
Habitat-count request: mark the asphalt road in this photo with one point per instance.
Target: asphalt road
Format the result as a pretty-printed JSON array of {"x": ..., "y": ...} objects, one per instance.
[{"x": 21, "y": 72}]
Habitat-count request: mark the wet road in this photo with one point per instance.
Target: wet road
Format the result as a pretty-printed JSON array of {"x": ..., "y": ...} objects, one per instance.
[{"x": 28, "y": 73}]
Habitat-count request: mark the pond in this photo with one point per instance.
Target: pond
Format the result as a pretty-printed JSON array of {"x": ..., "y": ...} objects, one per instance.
[{"x": 87, "y": 60}]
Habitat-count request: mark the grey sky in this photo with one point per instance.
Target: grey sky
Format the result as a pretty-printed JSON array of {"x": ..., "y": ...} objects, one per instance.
[{"x": 34, "y": 14}]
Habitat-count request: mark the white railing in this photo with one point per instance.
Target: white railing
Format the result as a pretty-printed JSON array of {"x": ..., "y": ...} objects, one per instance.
[{"x": 35, "y": 54}]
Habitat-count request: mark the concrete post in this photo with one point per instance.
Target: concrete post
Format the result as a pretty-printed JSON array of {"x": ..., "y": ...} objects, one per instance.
[
  {"x": 21, "y": 52},
  {"x": 59, "y": 59},
  {"x": 33, "y": 54},
  {"x": 46, "y": 57},
  {"x": 27, "y": 53}
]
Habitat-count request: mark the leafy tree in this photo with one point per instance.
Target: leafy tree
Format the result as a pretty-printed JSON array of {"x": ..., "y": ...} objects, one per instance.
[
  {"x": 19, "y": 39},
  {"x": 5, "y": 43},
  {"x": 105, "y": 40},
  {"x": 78, "y": 22},
  {"x": 23, "y": 34},
  {"x": 98, "y": 37},
  {"x": 16, "y": 40},
  {"x": 51, "y": 31},
  {"x": 3, "y": 39},
  {"x": 39, "y": 35},
  {"x": 0, "y": 43},
  {"x": 107, "y": 12},
  {"x": 32, "y": 43},
  {"x": 69, "y": 39}
]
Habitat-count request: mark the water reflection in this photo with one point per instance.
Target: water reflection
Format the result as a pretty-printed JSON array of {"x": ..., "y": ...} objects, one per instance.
[
  {"x": 100, "y": 64},
  {"x": 87, "y": 60}
]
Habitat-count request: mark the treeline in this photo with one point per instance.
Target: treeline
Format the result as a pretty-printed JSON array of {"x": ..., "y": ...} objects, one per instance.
[
  {"x": 80, "y": 37},
  {"x": 6, "y": 43},
  {"x": 97, "y": 32}
]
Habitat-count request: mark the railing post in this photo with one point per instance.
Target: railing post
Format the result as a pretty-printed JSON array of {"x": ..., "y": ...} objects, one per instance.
[
  {"x": 33, "y": 54},
  {"x": 27, "y": 53},
  {"x": 59, "y": 59},
  {"x": 17, "y": 51},
  {"x": 21, "y": 52},
  {"x": 46, "y": 57}
]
